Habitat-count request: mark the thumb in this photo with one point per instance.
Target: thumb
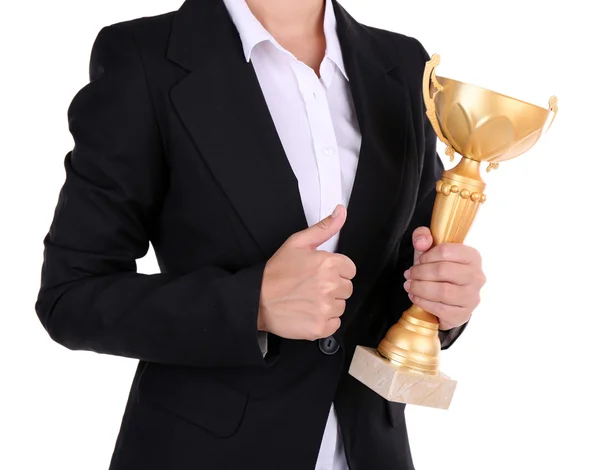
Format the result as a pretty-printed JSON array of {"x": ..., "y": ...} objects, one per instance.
[
  {"x": 422, "y": 241},
  {"x": 316, "y": 235}
]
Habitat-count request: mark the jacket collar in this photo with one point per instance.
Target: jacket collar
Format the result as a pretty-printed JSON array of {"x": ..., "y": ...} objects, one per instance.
[{"x": 203, "y": 24}]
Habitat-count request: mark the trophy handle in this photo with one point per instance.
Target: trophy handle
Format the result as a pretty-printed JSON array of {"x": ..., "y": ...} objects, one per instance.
[
  {"x": 430, "y": 81},
  {"x": 553, "y": 108}
]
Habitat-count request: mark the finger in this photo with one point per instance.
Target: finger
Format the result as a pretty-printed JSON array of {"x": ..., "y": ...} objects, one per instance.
[
  {"x": 338, "y": 307},
  {"x": 345, "y": 266},
  {"x": 344, "y": 289},
  {"x": 453, "y": 273},
  {"x": 333, "y": 324},
  {"x": 422, "y": 241},
  {"x": 451, "y": 252},
  {"x": 444, "y": 292},
  {"x": 317, "y": 234},
  {"x": 450, "y": 316}
]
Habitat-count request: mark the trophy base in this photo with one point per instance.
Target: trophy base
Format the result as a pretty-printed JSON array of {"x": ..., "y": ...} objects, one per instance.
[{"x": 399, "y": 385}]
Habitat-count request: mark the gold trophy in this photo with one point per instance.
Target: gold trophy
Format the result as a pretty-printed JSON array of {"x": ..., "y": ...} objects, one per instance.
[{"x": 482, "y": 126}]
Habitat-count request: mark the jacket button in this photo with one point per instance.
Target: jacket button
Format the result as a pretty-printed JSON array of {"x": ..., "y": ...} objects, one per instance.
[{"x": 329, "y": 345}]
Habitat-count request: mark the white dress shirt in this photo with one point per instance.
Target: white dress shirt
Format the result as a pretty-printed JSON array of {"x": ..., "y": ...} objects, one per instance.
[{"x": 317, "y": 126}]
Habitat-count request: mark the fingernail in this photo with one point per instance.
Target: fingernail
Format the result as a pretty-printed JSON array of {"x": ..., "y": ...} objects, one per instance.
[
  {"x": 418, "y": 239},
  {"x": 411, "y": 297},
  {"x": 407, "y": 285},
  {"x": 407, "y": 273},
  {"x": 335, "y": 212}
]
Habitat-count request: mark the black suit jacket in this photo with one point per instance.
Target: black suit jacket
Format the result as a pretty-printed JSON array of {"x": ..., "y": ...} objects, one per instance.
[{"x": 175, "y": 146}]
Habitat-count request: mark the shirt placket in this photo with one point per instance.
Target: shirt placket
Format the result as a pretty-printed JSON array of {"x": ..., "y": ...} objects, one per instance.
[{"x": 324, "y": 143}]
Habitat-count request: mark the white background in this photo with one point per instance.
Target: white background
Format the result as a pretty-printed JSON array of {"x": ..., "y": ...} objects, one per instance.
[{"x": 527, "y": 366}]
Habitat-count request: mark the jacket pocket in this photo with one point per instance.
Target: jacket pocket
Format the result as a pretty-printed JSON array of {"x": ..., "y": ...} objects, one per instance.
[{"x": 195, "y": 396}]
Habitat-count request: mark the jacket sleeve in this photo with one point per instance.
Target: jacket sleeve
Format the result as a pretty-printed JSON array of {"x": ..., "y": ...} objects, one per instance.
[
  {"x": 91, "y": 297},
  {"x": 433, "y": 168}
]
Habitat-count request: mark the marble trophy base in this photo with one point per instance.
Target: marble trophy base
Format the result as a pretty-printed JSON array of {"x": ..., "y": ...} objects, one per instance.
[{"x": 398, "y": 385}]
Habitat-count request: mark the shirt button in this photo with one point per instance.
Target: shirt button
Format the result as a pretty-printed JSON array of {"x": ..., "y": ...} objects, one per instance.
[{"x": 328, "y": 151}]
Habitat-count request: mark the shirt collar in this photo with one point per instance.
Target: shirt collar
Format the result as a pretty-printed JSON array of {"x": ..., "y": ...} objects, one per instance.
[
  {"x": 252, "y": 32},
  {"x": 334, "y": 50}
]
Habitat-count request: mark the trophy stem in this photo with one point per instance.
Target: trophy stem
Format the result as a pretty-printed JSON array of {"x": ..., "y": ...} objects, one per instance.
[{"x": 413, "y": 342}]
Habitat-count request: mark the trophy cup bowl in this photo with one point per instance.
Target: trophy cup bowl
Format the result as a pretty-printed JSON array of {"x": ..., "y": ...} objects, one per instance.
[{"x": 482, "y": 126}]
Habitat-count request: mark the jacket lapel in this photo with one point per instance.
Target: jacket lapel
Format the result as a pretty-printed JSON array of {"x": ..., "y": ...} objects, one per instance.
[
  {"x": 222, "y": 106},
  {"x": 387, "y": 180},
  {"x": 387, "y": 167}
]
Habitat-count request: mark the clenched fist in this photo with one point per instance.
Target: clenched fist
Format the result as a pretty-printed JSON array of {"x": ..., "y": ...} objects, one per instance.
[{"x": 304, "y": 290}]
